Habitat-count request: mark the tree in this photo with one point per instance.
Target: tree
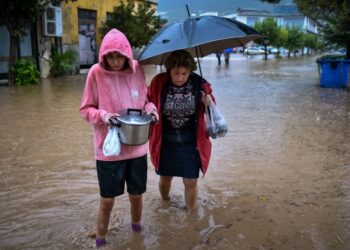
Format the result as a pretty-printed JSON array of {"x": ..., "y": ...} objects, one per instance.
[
  {"x": 310, "y": 42},
  {"x": 332, "y": 17},
  {"x": 268, "y": 28},
  {"x": 294, "y": 39},
  {"x": 281, "y": 40},
  {"x": 138, "y": 23},
  {"x": 17, "y": 16}
]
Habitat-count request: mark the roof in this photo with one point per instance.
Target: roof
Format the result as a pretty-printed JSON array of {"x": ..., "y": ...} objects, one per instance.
[
  {"x": 286, "y": 10},
  {"x": 279, "y": 10}
]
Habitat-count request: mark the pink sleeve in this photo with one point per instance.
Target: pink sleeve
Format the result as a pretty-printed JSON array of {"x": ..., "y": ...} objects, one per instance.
[
  {"x": 89, "y": 103},
  {"x": 149, "y": 107}
]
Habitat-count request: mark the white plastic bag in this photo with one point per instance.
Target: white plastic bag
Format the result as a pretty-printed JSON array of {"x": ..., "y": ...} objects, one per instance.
[
  {"x": 215, "y": 123},
  {"x": 111, "y": 145}
]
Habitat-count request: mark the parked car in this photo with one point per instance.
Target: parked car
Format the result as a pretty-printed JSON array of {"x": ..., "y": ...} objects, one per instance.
[
  {"x": 280, "y": 51},
  {"x": 341, "y": 51},
  {"x": 254, "y": 51},
  {"x": 275, "y": 51}
]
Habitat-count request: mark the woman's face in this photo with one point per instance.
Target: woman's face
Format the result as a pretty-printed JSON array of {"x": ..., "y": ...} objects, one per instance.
[
  {"x": 179, "y": 76},
  {"x": 115, "y": 61}
]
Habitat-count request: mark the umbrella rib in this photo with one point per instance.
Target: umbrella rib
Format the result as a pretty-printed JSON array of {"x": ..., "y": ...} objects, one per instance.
[
  {"x": 242, "y": 45},
  {"x": 200, "y": 51},
  {"x": 182, "y": 35}
]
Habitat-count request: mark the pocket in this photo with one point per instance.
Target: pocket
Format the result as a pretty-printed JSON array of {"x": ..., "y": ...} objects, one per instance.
[{"x": 137, "y": 97}]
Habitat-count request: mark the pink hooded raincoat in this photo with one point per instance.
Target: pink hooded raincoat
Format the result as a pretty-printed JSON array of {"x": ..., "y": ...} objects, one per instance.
[{"x": 111, "y": 91}]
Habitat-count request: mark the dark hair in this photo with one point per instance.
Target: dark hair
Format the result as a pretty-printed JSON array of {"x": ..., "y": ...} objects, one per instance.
[
  {"x": 180, "y": 58},
  {"x": 106, "y": 65}
]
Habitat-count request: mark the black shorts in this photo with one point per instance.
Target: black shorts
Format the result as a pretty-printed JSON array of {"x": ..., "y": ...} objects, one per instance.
[{"x": 112, "y": 176}]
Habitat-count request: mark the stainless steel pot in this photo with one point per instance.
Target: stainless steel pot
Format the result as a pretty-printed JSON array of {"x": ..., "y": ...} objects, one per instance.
[{"x": 134, "y": 126}]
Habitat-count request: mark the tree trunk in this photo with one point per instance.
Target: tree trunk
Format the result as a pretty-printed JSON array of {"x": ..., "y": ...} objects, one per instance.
[
  {"x": 265, "y": 52},
  {"x": 12, "y": 57}
]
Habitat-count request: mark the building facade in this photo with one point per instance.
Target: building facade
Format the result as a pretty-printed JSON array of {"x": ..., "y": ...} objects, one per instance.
[
  {"x": 285, "y": 15},
  {"x": 81, "y": 23},
  {"x": 72, "y": 25}
]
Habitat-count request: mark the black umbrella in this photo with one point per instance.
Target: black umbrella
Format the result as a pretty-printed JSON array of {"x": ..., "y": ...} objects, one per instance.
[{"x": 201, "y": 36}]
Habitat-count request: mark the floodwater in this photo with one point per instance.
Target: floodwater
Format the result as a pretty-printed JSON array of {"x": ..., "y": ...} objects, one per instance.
[{"x": 278, "y": 180}]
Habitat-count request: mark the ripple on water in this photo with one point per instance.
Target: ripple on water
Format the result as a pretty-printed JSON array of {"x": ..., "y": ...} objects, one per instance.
[{"x": 283, "y": 129}]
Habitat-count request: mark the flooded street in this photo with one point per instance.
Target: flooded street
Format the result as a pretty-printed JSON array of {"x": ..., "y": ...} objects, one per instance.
[{"x": 280, "y": 179}]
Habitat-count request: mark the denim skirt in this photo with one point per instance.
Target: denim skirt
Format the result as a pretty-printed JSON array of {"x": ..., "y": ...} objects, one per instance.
[{"x": 179, "y": 155}]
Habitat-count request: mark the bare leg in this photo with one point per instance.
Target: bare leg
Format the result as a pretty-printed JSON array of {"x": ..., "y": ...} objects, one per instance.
[
  {"x": 164, "y": 186},
  {"x": 136, "y": 208},
  {"x": 191, "y": 193},
  {"x": 104, "y": 212}
]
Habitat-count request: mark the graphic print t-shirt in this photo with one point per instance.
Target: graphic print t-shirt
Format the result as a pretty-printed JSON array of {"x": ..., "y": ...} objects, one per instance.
[{"x": 179, "y": 106}]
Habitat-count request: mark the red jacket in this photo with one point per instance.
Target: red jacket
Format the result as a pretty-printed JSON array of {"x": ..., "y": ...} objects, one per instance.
[{"x": 155, "y": 95}]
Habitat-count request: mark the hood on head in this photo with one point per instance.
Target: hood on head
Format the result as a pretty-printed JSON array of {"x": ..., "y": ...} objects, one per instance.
[{"x": 115, "y": 41}]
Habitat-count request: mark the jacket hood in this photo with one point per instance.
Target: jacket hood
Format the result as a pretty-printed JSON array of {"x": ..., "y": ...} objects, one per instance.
[{"x": 116, "y": 41}]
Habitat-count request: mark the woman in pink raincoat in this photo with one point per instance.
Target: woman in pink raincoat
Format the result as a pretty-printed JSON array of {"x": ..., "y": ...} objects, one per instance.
[{"x": 116, "y": 83}]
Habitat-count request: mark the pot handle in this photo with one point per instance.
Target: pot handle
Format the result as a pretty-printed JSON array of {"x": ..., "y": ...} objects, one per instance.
[
  {"x": 139, "y": 111},
  {"x": 154, "y": 120},
  {"x": 114, "y": 122}
]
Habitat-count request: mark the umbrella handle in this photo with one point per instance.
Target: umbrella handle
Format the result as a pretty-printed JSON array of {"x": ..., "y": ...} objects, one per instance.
[{"x": 199, "y": 64}]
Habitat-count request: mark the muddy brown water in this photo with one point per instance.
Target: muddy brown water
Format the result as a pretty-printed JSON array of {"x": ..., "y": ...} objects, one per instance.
[{"x": 278, "y": 180}]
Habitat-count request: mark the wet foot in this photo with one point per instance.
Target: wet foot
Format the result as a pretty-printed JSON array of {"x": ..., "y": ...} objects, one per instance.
[
  {"x": 100, "y": 242},
  {"x": 136, "y": 227},
  {"x": 166, "y": 198},
  {"x": 191, "y": 210}
]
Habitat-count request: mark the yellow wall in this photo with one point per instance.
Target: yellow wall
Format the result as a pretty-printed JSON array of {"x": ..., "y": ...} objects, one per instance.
[{"x": 70, "y": 17}]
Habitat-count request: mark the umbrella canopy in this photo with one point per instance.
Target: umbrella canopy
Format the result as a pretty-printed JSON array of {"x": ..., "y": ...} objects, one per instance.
[{"x": 201, "y": 36}]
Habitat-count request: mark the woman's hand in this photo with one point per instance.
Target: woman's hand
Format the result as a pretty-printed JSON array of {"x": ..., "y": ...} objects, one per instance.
[
  {"x": 108, "y": 116},
  {"x": 155, "y": 114},
  {"x": 206, "y": 99}
]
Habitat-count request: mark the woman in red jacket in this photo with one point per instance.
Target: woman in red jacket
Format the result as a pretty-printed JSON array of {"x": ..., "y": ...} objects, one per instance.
[{"x": 179, "y": 144}]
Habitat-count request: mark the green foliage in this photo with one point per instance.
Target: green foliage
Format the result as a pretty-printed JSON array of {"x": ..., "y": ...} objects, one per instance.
[
  {"x": 25, "y": 72},
  {"x": 138, "y": 23},
  {"x": 269, "y": 28},
  {"x": 17, "y": 16},
  {"x": 333, "y": 18},
  {"x": 282, "y": 38},
  {"x": 294, "y": 39},
  {"x": 62, "y": 63},
  {"x": 311, "y": 41},
  {"x": 277, "y": 36}
]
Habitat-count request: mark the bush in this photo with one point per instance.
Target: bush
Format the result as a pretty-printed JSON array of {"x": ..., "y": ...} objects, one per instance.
[
  {"x": 25, "y": 72},
  {"x": 62, "y": 63}
]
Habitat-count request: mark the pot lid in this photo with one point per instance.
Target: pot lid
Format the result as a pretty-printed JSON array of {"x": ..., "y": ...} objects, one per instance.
[{"x": 134, "y": 117}]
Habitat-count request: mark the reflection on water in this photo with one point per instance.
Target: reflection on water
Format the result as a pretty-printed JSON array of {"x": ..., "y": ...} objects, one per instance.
[{"x": 287, "y": 148}]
